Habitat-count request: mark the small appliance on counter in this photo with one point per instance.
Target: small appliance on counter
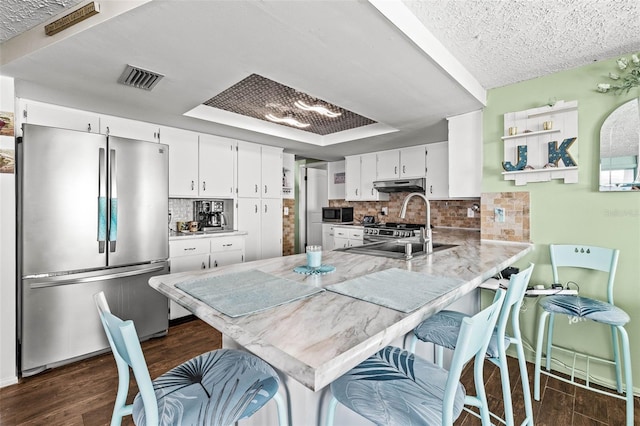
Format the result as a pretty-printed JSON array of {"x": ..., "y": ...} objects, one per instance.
[
  {"x": 210, "y": 214},
  {"x": 337, "y": 214}
]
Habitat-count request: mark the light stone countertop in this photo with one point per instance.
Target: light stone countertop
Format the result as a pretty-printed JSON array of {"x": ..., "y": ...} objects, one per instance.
[{"x": 317, "y": 339}]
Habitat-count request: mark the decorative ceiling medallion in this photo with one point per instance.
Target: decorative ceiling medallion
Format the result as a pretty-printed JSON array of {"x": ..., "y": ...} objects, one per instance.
[{"x": 267, "y": 100}]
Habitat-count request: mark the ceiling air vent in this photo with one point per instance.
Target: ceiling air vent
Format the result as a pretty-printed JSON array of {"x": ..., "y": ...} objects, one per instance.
[{"x": 137, "y": 77}]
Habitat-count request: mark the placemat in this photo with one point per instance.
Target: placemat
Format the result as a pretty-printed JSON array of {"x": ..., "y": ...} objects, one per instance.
[
  {"x": 245, "y": 293},
  {"x": 398, "y": 289}
]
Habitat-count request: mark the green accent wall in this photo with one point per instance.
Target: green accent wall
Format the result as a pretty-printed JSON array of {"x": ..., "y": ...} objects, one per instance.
[{"x": 573, "y": 213}]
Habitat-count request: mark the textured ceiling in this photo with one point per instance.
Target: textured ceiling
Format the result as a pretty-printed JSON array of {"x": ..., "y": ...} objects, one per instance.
[
  {"x": 504, "y": 42},
  {"x": 17, "y": 16}
]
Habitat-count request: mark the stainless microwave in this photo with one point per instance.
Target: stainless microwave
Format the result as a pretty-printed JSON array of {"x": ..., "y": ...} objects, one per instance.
[{"x": 337, "y": 214}]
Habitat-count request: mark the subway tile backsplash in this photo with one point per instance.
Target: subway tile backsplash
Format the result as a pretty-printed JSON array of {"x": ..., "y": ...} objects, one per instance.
[
  {"x": 444, "y": 213},
  {"x": 181, "y": 210}
]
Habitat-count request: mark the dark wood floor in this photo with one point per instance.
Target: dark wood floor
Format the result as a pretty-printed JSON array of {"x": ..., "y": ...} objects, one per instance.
[{"x": 83, "y": 393}]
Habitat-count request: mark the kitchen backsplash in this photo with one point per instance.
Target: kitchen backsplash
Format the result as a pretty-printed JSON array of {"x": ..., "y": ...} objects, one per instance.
[
  {"x": 516, "y": 225},
  {"x": 181, "y": 210},
  {"x": 449, "y": 213},
  {"x": 288, "y": 227}
]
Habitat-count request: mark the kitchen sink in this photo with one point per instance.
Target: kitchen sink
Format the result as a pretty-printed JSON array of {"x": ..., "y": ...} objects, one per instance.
[{"x": 395, "y": 249}]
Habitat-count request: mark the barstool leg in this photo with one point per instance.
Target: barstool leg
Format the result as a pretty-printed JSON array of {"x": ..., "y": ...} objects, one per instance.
[
  {"x": 506, "y": 387},
  {"x": 536, "y": 374},
  {"x": 524, "y": 375},
  {"x": 626, "y": 354}
]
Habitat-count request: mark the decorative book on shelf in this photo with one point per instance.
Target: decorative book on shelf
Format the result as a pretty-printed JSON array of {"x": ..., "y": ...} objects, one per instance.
[{"x": 541, "y": 144}]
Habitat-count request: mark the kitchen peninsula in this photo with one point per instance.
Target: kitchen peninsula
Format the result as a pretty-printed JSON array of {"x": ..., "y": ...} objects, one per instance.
[{"x": 317, "y": 339}]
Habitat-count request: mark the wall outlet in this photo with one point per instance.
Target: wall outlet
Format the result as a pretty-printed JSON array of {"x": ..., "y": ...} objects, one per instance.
[
  {"x": 469, "y": 212},
  {"x": 286, "y": 211},
  {"x": 499, "y": 214},
  {"x": 385, "y": 211}
]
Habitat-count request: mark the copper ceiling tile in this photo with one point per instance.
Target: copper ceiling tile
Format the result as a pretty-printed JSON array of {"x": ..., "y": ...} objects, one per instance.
[{"x": 257, "y": 96}]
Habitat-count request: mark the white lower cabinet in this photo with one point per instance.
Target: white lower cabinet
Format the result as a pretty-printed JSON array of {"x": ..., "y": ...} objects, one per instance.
[
  {"x": 191, "y": 254},
  {"x": 328, "y": 240},
  {"x": 344, "y": 237}
]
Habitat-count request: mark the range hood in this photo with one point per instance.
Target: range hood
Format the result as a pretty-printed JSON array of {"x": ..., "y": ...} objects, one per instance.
[{"x": 400, "y": 185}]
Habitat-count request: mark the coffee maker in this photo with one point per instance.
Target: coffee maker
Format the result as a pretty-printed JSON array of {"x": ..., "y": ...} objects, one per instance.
[{"x": 209, "y": 214}]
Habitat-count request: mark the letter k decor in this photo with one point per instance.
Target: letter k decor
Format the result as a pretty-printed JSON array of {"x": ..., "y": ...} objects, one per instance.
[{"x": 561, "y": 153}]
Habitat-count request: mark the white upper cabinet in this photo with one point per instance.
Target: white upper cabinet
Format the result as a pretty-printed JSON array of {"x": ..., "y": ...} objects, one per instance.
[
  {"x": 132, "y": 129},
  {"x": 249, "y": 170},
  {"x": 259, "y": 171},
  {"x": 183, "y": 161},
  {"x": 465, "y": 155},
  {"x": 33, "y": 112},
  {"x": 360, "y": 173},
  {"x": 413, "y": 162},
  {"x": 402, "y": 163},
  {"x": 437, "y": 179},
  {"x": 216, "y": 166},
  {"x": 271, "y": 172},
  {"x": 389, "y": 164}
]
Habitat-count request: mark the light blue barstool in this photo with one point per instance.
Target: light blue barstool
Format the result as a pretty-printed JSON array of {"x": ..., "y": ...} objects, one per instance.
[
  {"x": 443, "y": 328},
  {"x": 215, "y": 388},
  {"x": 395, "y": 387},
  {"x": 596, "y": 259}
]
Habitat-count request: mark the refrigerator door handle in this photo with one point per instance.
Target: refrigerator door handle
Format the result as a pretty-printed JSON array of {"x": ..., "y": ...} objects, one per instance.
[
  {"x": 102, "y": 200},
  {"x": 97, "y": 277},
  {"x": 113, "y": 224}
]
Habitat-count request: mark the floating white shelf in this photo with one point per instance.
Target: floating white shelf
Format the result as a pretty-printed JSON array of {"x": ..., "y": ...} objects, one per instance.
[
  {"x": 522, "y": 177},
  {"x": 524, "y": 135}
]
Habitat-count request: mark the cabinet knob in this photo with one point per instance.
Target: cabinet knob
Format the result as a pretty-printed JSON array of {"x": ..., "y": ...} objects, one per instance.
[
  {"x": 265, "y": 189},
  {"x": 89, "y": 127},
  {"x": 256, "y": 189},
  {"x": 256, "y": 206},
  {"x": 193, "y": 185},
  {"x": 204, "y": 186},
  {"x": 215, "y": 263},
  {"x": 203, "y": 266},
  {"x": 265, "y": 208}
]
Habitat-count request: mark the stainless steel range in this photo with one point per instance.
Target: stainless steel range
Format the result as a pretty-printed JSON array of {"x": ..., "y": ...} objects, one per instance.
[{"x": 390, "y": 231}]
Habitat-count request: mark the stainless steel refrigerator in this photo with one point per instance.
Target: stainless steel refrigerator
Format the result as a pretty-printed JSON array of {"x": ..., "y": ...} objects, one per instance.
[{"x": 92, "y": 216}]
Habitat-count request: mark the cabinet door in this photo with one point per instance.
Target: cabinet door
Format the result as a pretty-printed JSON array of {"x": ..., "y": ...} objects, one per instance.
[
  {"x": 271, "y": 228},
  {"x": 249, "y": 169},
  {"x": 388, "y": 164},
  {"x": 465, "y": 155},
  {"x": 367, "y": 176},
  {"x": 216, "y": 166},
  {"x": 56, "y": 116},
  {"x": 249, "y": 220},
  {"x": 352, "y": 178},
  {"x": 132, "y": 129},
  {"x": 182, "y": 264},
  {"x": 413, "y": 162},
  {"x": 340, "y": 242},
  {"x": 271, "y": 161},
  {"x": 183, "y": 161},
  {"x": 229, "y": 257},
  {"x": 437, "y": 171}
]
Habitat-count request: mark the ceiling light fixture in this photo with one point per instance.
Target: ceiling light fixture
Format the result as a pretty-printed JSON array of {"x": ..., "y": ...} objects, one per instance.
[
  {"x": 287, "y": 120},
  {"x": 317, "y": 108}
]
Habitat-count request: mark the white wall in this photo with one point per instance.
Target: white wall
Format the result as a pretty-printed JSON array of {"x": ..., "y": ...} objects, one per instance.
[{"x": 7, "y": 251}]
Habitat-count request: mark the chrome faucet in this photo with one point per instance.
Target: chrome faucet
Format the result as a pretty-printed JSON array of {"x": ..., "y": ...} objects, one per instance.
[{"x": 425, "y": 233}]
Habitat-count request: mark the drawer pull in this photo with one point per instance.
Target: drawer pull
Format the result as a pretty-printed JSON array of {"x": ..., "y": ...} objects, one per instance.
[
  {"x": 227, "y": 245},
  {"x": 189, "y": 248}
]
